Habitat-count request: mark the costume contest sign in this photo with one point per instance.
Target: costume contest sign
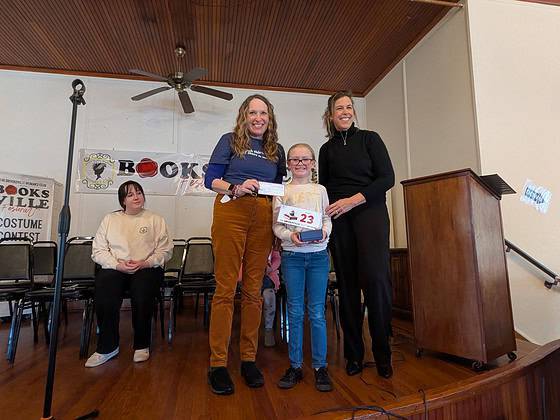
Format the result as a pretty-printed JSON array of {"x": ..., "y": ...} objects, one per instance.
[
  {"x": 103, "y": 171},
  {"x": 27, "y": 205}
]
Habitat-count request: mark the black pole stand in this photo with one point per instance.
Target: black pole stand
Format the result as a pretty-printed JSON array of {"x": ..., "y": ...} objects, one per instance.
[{"x": 63, "y": 229}]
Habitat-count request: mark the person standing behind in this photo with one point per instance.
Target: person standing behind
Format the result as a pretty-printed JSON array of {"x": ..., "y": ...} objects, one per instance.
[
  {"x": 131, "y": 246},
  {"x": 305, "y": 269},
  {"x": 271, "y": 283},
  {"x": 242, "y": 231},
  {"x": 356, "y": 169}
]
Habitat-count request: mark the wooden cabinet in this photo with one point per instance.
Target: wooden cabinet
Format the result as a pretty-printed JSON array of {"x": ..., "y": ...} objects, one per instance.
[{"x": 458, "y": 272}]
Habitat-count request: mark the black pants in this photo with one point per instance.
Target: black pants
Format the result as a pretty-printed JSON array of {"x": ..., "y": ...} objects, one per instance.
[
  {"x": 360, "y": 249},
  {"x": 110, "y": 287}
]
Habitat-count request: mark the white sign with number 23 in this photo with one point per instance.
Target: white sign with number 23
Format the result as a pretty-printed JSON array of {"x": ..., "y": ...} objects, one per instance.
[{"x": 296, "y": 216}]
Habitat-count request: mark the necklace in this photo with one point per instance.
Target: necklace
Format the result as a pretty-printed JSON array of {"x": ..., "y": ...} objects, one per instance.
[{"x": 344, "y": 136}]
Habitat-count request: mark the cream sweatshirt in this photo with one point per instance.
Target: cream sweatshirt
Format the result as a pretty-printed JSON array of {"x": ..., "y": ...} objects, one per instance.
[
  {"x": 143, "y": 236},
  {"x": 306, "y": 196}
]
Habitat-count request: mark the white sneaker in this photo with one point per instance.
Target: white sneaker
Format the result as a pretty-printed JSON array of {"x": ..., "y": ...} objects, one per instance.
[
  {"x": 97, "y": 359},
  {"x": 141, "y": 355}
]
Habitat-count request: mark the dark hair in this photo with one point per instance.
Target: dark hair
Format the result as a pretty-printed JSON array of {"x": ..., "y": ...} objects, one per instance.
[
  {"x": 329, "y": 126},
  {"x": 241, "y": 142},
  {"x": 125, "y": 188}
]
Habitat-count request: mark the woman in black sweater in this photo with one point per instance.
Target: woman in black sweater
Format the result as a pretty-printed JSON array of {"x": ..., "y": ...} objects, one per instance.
[{"x": 356, "y": 169}]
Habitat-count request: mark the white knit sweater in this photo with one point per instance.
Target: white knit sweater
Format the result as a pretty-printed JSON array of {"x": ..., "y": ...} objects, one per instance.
[{"x": 143, "y": 236}]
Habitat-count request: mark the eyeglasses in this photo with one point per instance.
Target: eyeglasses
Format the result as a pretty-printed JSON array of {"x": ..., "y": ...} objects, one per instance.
[{"x": 305, "y": 161}]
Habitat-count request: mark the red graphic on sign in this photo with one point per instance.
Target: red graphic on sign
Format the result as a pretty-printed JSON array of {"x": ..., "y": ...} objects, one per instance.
[
  {"x": 11, "y": 190},
  {"x": 147, "y": 168},
  {"x": 290, "y": 216}
]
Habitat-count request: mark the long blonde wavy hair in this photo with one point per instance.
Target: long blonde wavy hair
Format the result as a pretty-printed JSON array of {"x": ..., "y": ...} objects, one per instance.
[
  {"x": 329, "y": 111},
  {"x": 241, "y": 142}
]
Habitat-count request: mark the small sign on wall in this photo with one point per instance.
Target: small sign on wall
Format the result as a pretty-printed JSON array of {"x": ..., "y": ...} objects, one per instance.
[{"x": 536, "y": 196}]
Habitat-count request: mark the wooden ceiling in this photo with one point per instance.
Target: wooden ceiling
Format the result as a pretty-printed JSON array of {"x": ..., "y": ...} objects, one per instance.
[{"x": 297, "y": 45}]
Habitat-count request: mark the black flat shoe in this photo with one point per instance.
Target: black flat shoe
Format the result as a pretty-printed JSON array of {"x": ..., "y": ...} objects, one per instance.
[
  {"x": 353, "y": 368},
  {"x": 252, "y": 375},
  {"x": 220, "y": 381},
  {"x": 385, "y": 371}
]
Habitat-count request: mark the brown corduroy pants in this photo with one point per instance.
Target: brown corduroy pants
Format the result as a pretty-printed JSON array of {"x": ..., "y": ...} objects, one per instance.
[{"x": 241, "y": 232}]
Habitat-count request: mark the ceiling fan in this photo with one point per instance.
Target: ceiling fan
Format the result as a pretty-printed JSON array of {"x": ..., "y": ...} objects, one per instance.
[{"x": 181, "y": 82}]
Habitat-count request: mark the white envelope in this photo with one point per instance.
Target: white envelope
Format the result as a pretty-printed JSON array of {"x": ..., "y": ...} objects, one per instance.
[{"x": 270, "y": 188}]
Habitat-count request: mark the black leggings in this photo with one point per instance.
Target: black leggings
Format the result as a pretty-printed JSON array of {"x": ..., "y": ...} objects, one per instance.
[
  {"x": 360, "y": 249},
  {"x": 110, "y": 286}
]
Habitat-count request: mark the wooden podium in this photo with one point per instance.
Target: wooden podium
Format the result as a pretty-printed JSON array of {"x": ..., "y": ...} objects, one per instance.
[{"x": 460, "y": 288}]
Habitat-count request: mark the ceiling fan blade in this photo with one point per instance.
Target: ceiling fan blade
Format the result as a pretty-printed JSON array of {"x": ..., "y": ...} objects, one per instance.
[
  {"x": 150, "y": 93},
  {"x": 213, "y": 92},
  {"x": 195, "y": 74},
  {"x": 186, "y": 102},
  {"x": 148, "y": 74}
]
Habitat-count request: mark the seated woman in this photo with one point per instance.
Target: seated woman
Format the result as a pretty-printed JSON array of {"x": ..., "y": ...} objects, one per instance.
[{"x": 131, "y": 246}]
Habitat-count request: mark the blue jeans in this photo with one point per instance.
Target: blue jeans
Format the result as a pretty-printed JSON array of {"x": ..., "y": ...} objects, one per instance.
[{"x": 306, "y": 274}]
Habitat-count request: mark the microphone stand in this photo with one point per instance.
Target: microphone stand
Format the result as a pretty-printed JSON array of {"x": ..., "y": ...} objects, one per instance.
[{"x": 63, "y": 229}]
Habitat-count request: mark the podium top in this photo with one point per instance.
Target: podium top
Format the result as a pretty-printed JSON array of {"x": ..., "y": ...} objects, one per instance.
[{"x": 493, "y": 183}]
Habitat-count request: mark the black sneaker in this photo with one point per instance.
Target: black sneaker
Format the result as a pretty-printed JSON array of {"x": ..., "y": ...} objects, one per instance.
[
  {"x": 220, "y": 381},
  {"x": 322, "y": 381},
  {"x": 290, "y": 378},
  {"x": 252, "y": 375}
]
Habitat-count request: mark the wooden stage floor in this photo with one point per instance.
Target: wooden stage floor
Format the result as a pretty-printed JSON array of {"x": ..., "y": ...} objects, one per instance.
[{"x": 173, "y": 384}]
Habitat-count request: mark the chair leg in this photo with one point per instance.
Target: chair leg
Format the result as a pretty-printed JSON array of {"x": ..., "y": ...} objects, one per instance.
[
  {"x": 85, "y": 334},
  {"x": 196, "y": 306},
  {"x": 17, "y": 327},
  {"x": 171, "y": 324},
  {"x": 161, "y": 317},
  {"x": 83, "y": 330},
  {"x": 35, "y": 323},
  {"x": 45, "y": 316},
  {"x": 65, "y": 309},
  {"x": 206, "y": 311},
  {"x": 90, "y": 325},
  {"x": 336, "y": 315},
  {"x": 12, "y": 328}
]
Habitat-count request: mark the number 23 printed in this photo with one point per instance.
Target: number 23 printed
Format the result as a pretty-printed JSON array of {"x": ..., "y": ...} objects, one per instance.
[{"x": 306, "y": 218}]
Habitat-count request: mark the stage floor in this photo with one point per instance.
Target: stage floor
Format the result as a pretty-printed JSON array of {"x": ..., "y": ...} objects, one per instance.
[{"x": 173, "y": 383}]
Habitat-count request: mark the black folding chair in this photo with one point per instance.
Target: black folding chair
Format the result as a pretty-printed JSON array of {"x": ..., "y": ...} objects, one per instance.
[
  {"x": 78, "y": 280},
  {"x": 196, "y": 277},
  {"x": 172, "y": 273},
  {"x": 44, "y": 269},
  {"x": 16, "y": 279},
  {"x": 332, "y": 296}
]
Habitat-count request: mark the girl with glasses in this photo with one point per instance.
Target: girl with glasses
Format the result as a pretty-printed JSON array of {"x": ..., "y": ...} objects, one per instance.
[{"x": 305, "y": 268}]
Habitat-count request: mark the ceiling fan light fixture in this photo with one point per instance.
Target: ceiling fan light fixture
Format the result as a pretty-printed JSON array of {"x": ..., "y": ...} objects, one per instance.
[{"x": 180, "y": 51}]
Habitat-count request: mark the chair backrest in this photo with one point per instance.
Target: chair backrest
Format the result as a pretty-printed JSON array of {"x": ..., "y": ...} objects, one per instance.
[
  {"x": 78, "y": 264},
  {"x": 16, "y": 260},
  {"x": 199, "y": 261},
  {"x": 44, "y": 258},
  {"x": 175, "y": 264}
]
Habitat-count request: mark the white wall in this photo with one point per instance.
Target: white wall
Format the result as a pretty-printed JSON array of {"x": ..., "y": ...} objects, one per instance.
[
  {"x": 424, "y": 111},
  {"x": 385, "y": 107},
  {"x": 35, "y": 122},
  {"x": 516, "y": 70}
]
